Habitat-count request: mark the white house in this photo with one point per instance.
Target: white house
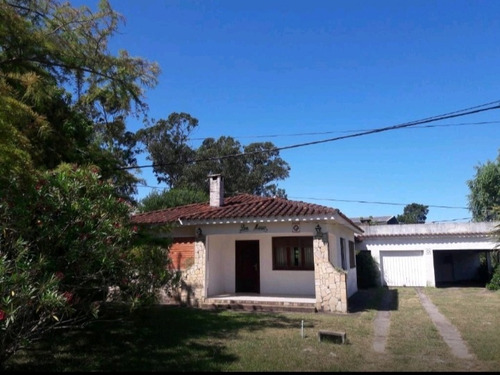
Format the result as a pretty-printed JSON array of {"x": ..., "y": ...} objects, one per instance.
[
  {"x": 431, "y": 254},
  {"x": 260, "y": 246}
]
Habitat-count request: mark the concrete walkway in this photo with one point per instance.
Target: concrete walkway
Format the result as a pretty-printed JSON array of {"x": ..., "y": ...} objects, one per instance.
[
  {"x": 447, "y": 331},
  {"x": 382, "y": 323}
]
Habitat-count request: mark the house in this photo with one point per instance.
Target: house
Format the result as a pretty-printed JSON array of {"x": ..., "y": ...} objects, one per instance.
[
  {"x": 435, "y": 254},
  {"x": 254, "y": 246},
  {"x": 375, "y": 220}
]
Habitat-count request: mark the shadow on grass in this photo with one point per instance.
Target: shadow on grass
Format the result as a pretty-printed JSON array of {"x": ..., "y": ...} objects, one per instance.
[
  {"x": 160, "y": 338},
  {"x": 379, "y": 299}
]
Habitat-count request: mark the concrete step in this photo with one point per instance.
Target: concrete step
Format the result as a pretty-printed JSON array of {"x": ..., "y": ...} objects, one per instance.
[{"x": 249, "y": 305}]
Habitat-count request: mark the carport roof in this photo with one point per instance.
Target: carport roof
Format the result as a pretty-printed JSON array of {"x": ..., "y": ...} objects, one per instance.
[{"x": 431, "y": 229}]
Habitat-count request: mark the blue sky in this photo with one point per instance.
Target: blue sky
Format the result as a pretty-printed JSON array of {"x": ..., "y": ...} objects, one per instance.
[{"x": 279, "y": 70}]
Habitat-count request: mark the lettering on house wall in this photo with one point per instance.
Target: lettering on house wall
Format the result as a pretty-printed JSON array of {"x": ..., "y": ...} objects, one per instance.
[
  {"x": 260, "y": 228},
  {"x": 256, "y": 228}
]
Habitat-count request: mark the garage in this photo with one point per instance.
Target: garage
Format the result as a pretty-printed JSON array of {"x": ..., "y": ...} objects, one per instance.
[
  {"x": 402, "y": 268},
  {"x": 430, "y": 254},
  {"x": 455, "y": 267}
]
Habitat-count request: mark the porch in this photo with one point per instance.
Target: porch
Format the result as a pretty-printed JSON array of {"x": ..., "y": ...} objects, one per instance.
[{"x": 260, "y": 302}]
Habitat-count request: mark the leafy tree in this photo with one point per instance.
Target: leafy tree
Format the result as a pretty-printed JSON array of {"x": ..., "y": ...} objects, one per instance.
[
  {"x": 65, "y": 237},
  {"x": 47, "y": 49},
  {"x": 65, "y": 243},
  {"x": 484, "y": 196},
  {"x": 166, "y": 142},
  {"x": 265, "y": 166},
  {"x": 217, "y": 156},
  {"x": 171, "y": 198},
  {"x": 414, "y": 213},
  {"x": 250, "y": 169}
]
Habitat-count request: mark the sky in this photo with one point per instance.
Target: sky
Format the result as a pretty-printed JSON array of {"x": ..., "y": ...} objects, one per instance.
[{"x": 296, "y": 72}]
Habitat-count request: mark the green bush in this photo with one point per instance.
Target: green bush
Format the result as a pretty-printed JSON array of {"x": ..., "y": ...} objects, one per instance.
[
  {"x": 368, "y": 273},
  {"x": 494, "y": 283},
  {"x": 65, "y": 241}
]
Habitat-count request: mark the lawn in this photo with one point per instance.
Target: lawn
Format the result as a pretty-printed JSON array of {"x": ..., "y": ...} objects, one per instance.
[{"x": 171, "y": 338}]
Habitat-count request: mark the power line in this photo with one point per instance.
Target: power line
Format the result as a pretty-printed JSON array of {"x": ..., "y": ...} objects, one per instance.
[
  {"x": 384, "y": 203},
  {"x": 458, "y": 113},
  {"x": 460, "y": 219},
  {"x": 352, "y": 131},
  {"x": 344, "y": 200}
]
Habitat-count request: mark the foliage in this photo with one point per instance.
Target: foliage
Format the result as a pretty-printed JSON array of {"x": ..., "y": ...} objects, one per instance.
[
  {"x": 368, "y": 274},
  {"x": 484, "y": 194},
  {"x": 414, "y": 213},
  {"x": 64, "y": 93},
  {"x": 65, "y": 237},
  {"x": 494, "y": 283},
  {"x": 65, "y": 241},
  {"x": 166, "y": 142},
  {"x": 250, "y": 169},
  {"x": 171, "y": 198}
]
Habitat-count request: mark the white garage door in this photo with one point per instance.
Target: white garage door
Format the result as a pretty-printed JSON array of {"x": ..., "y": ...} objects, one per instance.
[{"x": 402, "y": 268}]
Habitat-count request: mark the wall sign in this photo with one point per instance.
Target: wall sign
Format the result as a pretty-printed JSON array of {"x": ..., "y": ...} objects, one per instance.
[{"x": 256, "y": 228}]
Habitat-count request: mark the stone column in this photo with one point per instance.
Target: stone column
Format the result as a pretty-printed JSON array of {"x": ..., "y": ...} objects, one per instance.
[
  {"x": 330, "y": 282},
  {"x": 192, "y": 289}
]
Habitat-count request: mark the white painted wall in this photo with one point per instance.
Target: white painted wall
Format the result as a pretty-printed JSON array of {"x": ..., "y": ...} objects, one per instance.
[
  {"x": 220, "y": 240},
  {"x": 334, "y": 234},
  {"x": 221, "y": 261}
]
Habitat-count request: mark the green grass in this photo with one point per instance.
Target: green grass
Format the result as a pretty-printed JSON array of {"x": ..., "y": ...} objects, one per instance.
[{"x": 169, "y": 338}]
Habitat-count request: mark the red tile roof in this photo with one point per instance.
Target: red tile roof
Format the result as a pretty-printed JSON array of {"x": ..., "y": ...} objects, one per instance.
[{"x": 239, "y": 207}]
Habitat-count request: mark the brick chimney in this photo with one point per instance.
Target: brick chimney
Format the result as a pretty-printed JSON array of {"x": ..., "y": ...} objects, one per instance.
[{"x": 216, "y": 190}]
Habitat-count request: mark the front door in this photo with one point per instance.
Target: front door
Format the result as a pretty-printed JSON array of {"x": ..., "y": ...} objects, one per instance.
[{"x": 247, "y": 267}]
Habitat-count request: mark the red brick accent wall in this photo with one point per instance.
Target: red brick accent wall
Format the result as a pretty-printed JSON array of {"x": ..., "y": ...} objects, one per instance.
[{"x": 182, "y": 252}]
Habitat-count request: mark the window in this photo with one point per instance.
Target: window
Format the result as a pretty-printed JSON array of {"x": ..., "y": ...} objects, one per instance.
[
  {"x": 293, "y": 253},
  {"x": 342, "y": 253},
  {"x": 352, "y": 255}
]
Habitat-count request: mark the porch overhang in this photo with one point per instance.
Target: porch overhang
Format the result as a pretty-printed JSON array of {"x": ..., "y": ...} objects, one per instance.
[{"x": 276, "y": 219}]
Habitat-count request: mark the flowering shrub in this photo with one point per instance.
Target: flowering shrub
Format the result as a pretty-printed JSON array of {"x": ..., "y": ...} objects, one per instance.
[{"x": 65, "y": 240}]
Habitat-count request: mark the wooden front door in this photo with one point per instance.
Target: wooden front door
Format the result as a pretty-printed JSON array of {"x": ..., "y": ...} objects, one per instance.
[{"x": 247, "y": 267}]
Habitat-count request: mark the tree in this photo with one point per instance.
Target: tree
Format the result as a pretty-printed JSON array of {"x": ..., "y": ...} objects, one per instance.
[
  {"x": 218, "y": 156},
  {"x": 414, "y": 213},
  {"x": 265, "y": 166},
  {"x": 484, "y": 196},
  {"x": 250, "y": 169},
  {"x": 66, "y": 241},
  {"x": 171, "y": 198},
  {"x": 65, "y": 237},
  {"x": 47, "y": 48},
  {"x": 166, "y": 142}
]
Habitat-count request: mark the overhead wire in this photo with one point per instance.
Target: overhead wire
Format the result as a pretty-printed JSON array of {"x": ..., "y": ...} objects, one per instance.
[
  {"x": 350, "y": 131},
  {"x": 454, "y": 114}
]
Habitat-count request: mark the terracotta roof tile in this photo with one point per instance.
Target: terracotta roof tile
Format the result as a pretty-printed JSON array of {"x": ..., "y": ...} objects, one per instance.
[{"x": 240, "y": 206}]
